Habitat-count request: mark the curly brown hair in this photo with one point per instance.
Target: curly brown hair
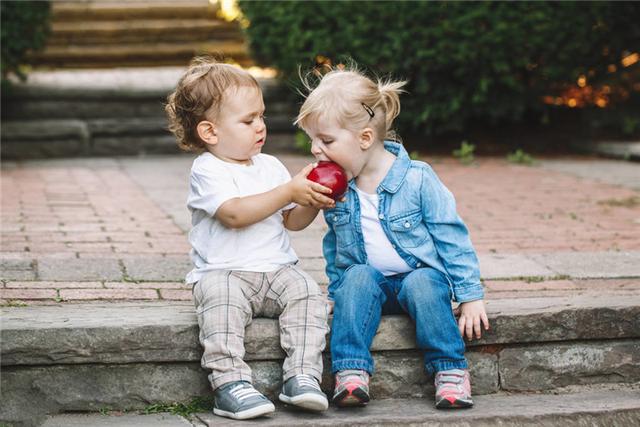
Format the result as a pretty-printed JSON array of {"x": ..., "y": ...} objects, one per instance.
[{"x": 199, "y": 95}]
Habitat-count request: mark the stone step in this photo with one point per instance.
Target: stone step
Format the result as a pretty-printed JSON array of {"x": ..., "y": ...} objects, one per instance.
[
  {"x": 146, "y": 31},
  {"x": 629, "y": 150},
  {"x": 112, "y": 119},
  {"x": 76, "y": 11},
  {"x": 86, "y": 357},
  {"x": 578, "y": 408},
  {"x": 126, "y": 137},
  {"x": 139, "y": 54},
  {"x": 103, "y": 34}
]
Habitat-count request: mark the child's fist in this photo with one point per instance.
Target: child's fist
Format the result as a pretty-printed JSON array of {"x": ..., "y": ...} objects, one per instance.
[
  {"x": 308, "y": 193},
  {"x": 472, "y": 317}
]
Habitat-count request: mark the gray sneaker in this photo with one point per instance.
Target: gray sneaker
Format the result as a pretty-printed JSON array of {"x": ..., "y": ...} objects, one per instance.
[
  {"x": 304, "y": 391},
  {"x": 240, "y": 401}
]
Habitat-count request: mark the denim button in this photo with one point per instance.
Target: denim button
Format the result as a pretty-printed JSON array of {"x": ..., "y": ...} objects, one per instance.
[
  {"x": 419, "y": 264},
  {"x": 381, "y": 216},
  {"x": 335, "y": 217},
  {"x": 407, "y": 224}
]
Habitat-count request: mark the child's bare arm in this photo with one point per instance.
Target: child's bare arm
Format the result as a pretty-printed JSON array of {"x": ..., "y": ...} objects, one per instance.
[
  {"x": 242, "y": 212},
  {"x": 472, "y": 317},
  {"x": 300, "y": 217}
]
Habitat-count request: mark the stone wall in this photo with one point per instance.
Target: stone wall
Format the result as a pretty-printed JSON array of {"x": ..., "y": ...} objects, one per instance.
[
  {"x": 48, "y": 121},
  {"x": 130, "y": 355}
]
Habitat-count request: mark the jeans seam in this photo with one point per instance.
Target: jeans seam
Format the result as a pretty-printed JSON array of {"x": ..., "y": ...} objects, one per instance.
[
  {"x": 437, "y": 366},
  {"x": 353, "y": 364}
]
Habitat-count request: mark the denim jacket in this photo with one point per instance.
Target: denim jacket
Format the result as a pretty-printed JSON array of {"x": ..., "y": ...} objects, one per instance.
[{"x": 418, "y": 215}]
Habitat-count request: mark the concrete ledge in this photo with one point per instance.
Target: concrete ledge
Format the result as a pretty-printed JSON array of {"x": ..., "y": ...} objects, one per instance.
[
  {"x": 96, "y": 113},
  {"x": 118, "y": 420},
  {"x": 119, "y": 84},
  {"x": 618, "y": 150},
  {"x": 161, "y": 332},
  {"x": 579, "y": 265},
  {"x": 579, "y": 409},
  {"x": 585, "y": 408},
  {"x": 155, "y": 267},
  {"x": 121, "y": 356}
]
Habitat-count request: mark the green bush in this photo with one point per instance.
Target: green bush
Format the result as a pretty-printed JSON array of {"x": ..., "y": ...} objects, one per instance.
[
  {"x": 466, "y": 62},
  {"x": 465, "y": 153},
  {"x": 25, "y": 26},
  {"x": 519, "y": 157}
]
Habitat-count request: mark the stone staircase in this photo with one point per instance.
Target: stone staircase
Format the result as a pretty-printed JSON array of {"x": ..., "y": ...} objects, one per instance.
[
  {"x": 109, "y": 33},
  {"x": 579, "y": 409},
  {"x": 551, "y": 360},
  {"x": 111, "y": 112}
]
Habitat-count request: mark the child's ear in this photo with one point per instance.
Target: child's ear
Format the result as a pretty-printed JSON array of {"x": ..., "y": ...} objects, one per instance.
[
  {"x": 207, "y": 132},
  {"x": 366, "y": 138}
]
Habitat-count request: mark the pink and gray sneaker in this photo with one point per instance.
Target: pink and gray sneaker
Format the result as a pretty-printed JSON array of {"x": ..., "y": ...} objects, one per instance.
[
  {"x": 453, "y": 389},
  {"x": 352, "y": 388}
]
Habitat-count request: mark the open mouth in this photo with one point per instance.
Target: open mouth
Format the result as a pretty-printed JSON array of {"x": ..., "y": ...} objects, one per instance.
[{"x": 260, "y": 141}]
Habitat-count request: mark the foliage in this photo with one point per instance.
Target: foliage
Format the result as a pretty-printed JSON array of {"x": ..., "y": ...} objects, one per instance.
[
  {"x": 520, "y": 157},
  {"x": 629, "y": 202},
  {"x": 303, "y": 144},
  {"x": 466, "y": 62},
  {"x": 465, "y": 153},
  {"x": 25, "y": 27},
  {"x": 198, "y": 404},
  {"x": 13, "y": 303}
]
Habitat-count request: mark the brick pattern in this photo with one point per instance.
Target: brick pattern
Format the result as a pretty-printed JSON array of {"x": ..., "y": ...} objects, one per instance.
[
  {"x": 37, "y": 292},
  {"x": 75, "y": 233},
  {"x": 81, "y": 212},
  {"x": 519, "y": 209}
]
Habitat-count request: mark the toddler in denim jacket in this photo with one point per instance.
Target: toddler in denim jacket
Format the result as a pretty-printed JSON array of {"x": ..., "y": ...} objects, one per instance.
[{"x": 395, "y": 243}]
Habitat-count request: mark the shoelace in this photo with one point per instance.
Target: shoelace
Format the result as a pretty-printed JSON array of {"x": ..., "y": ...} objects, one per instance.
[
  {"x": 352, "y": 375},
  {"x": 450, "y": 382},
  {"x": 308, "y": 381},
  {"x": 242, "y": 392}
]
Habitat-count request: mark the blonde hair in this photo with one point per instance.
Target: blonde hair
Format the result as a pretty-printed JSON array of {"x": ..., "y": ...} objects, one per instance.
[
  {"x": 354, "y": 100},
  {"x": 199, "y": 95}
]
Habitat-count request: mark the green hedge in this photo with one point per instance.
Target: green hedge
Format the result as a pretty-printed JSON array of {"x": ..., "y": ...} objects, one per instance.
[
  {"x": 25, "y": 26},
  {"x": 466, "y": 62}
]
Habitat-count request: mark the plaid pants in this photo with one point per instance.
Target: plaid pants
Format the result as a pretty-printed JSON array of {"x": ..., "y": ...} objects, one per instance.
[{"x": 227, "y": 300}]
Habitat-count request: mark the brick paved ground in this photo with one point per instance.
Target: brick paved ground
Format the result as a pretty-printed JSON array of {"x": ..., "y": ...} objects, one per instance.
[{"x": 115, "y": 229}]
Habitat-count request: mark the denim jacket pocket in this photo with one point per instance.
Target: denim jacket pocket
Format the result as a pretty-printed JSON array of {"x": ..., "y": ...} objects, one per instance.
[
  {"x": 341, "y": 221},
  {"x": 409, "y": 230}
]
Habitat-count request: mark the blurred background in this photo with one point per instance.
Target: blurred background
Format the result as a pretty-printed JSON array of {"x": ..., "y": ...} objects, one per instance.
[
  {"x": 484, "y": 77},
  {"x": 512, "y": 103}
]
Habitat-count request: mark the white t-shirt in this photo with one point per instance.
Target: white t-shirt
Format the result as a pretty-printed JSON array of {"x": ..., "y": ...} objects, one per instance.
[
  {"x": 380, "y": 254},
  {"x": 261, "y": 247}
]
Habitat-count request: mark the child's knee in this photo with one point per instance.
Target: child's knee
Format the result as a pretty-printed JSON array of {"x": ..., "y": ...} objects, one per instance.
[
  {"x": 358, "y": 280},
  {"x": 303, "y": 289},
  {"x": 426, "y": 286}
]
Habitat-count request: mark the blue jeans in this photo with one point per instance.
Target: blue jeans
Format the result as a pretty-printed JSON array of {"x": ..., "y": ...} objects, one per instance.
[{"x": 364, "y": 294}]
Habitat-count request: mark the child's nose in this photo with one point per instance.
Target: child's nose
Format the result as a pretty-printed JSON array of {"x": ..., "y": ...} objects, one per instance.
[{"x": 317, "y": 152}]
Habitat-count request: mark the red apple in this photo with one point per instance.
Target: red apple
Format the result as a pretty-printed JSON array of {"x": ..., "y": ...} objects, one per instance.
[{"x": 332, "y": 176}]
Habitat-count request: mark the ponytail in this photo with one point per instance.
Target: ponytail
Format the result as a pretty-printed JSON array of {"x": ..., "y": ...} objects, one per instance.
[{"x": 390, "y": 96}]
